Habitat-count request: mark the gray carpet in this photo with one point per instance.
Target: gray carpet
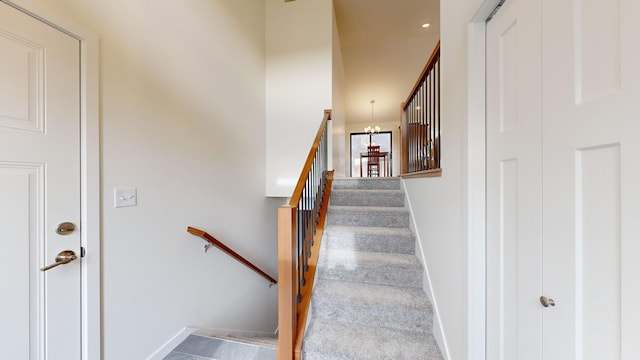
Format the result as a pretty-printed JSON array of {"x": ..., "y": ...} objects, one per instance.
[{"x": 368, "y": 301}]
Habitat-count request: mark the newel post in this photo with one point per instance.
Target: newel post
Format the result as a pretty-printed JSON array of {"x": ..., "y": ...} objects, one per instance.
[{"x": 287, "y": 317}]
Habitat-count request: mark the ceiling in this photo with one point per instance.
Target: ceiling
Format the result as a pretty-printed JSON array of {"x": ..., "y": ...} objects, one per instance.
[{"x": 384, "y": 48}]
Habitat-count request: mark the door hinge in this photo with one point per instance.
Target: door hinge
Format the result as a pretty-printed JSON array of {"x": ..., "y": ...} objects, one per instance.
[
  {"x": 495, "y": 11},
  {"x": 82, "y": 251}
]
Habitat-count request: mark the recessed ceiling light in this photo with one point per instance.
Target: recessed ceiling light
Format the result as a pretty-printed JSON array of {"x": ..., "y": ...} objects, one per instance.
[{"x": 426, "y": 25}]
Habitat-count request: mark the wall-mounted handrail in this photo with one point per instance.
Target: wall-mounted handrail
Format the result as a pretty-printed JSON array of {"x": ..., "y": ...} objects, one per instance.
[
  {"x": 215, "y": 242},
  {"x": 300, "y": 226}
]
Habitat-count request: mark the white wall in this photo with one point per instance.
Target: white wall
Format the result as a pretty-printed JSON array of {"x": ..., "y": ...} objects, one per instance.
[
  {"x": 182, "y": 119},
  {"x": 439, "y": 204},
  {"x": 340, "y": 158},
  {"x": 298, "y": 85},
  {"x": 386, "y": 72}
]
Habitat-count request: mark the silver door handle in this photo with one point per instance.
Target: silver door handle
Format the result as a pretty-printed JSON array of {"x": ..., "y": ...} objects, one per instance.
[
  {"x": 546, "y": 302},
  {"x": 64, "y": 257}
]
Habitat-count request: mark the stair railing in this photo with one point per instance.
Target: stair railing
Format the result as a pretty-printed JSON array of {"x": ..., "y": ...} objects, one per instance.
[
  {"x": 300, "y": 225},
  {"x": 421, "y": 123},
  {"x": 211, "y": 241}
]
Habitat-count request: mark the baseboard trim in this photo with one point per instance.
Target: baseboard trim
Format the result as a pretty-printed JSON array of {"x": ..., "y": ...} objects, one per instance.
[
  {"x": 171, "y": 344},
  {"x": 212, "y": 332},
  {"x": 438, "y": 331}
]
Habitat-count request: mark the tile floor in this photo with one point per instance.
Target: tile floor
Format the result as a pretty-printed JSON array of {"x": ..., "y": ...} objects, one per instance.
[{"x": 196, "y": 347}]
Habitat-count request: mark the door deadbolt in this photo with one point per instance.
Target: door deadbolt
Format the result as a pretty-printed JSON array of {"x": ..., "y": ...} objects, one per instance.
[{"x": 65, "y": 228}]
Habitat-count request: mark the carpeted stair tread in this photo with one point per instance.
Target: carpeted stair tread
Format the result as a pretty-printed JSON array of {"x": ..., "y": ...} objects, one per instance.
[
  {"x": 369, "y": 238},
  {"x": 339, "y": 341},
  {"x": 366, "y": 197},
  {"x": 368, "y": 302},
  {"x": 378, "y": 216},
  {"x": 370, "y": 267},
  {"x": 367, "y": 183},
  {"x": 402, "y": 308}
]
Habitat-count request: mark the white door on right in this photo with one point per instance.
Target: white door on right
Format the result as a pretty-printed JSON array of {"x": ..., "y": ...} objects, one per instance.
[
  {"x": 514, "y": 182},
  {"x": 591, "y": 179}
]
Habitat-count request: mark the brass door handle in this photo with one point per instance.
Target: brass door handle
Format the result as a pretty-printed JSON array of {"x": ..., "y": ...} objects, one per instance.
[
  {"x": 64, "y": 257},
  {"x": 546, "y": 302}
]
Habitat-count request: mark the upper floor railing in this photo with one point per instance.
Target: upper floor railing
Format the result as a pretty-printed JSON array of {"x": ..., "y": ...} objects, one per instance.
[
  {"x": 300, "y": 225},
  {"x": 421, "y": 122}
]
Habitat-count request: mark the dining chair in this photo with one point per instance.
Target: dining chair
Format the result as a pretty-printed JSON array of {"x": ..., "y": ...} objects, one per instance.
[{"x": 373, "y": 160}]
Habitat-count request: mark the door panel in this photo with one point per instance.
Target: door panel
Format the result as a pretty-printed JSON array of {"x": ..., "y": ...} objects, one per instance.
[
  {"x": 591, "y": 207},
  {"x": 21, "y": 85},
  {"x": 597, "y": 279},
  {"x": 514, "y": 182},
  {"x": 21, "y": 187},
  {"x": 39, "y": 188}
]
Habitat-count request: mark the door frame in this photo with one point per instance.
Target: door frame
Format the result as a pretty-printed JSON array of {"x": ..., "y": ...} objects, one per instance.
[
  {"x": 370, "y": 135},
  {"x": 90, "y": 231},
  {"x": 476, "y": 179}
]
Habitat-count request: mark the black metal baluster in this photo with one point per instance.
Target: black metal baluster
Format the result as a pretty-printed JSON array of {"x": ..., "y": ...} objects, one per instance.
[
  {"x": 299, "y": 247},
  {"x": 427, "y": 118},
  {"x": 437, "y": 120},
  {"x": 306, "y": 225},
  {"x": 421, "y": 121}
]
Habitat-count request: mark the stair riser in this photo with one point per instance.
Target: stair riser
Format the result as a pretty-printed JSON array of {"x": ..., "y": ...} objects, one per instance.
[
  {"x": 391, "y": 275},
  {"x": 387, "y": 184},
  {"x": 417, "y": 320},
  {"x": 330, "y": 341},
  {"x": 392, "y": 219},
  {"x": 367, "y": 199},
  {"x": 398, "y": 245}
]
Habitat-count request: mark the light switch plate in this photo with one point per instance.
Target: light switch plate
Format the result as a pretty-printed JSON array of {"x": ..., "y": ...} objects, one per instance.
[{"x": 123, "y": 197}]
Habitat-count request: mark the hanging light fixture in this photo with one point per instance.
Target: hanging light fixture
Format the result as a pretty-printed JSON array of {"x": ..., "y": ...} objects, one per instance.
[{"x": 373, "y": 129}]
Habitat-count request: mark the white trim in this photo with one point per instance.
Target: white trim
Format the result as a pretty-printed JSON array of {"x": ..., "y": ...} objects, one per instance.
[
  {"x": 438, "y": 331},
  {"x": 213, "y": 332},
  {"x": 476, "y": 181},
  {"x": 172, "y": 344},
  {"x": 90, "y": 173},
  {"x": 476, "y": 207}
]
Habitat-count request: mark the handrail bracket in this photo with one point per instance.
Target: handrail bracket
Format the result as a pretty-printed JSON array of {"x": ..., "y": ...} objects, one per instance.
[{"x": 211, "y": 241}]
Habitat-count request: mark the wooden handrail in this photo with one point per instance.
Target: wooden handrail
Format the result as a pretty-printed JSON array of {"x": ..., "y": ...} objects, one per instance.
[
  {"x": 215, "y": 242},
  {"x": 435, "y": 56},
  {"x": 300, "y": 227},
  {"x": 297, "y": 192}
]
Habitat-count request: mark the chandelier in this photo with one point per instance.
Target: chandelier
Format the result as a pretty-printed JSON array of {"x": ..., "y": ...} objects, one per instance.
[{"x": 373, "y": 129}]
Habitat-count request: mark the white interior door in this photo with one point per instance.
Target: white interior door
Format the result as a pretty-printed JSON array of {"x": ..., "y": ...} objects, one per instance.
[
  {"x": 514, "y": 182},
  {"x": 39, "y": 189},
  {"x": 588, "y": 179},
  {"x": 591, "y": 96}
]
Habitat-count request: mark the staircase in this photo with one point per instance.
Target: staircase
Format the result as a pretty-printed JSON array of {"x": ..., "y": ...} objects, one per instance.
[{"x": 368, "y": 301}]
